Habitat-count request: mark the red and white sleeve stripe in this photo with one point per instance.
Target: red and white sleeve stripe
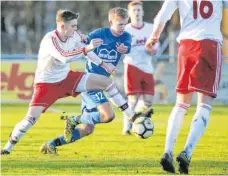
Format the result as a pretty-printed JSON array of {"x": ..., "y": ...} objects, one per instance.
[{"x": 66, "y": 54}]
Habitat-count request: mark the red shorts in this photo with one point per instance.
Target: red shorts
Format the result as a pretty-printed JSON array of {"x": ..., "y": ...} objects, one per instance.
[
  {"x": 199, "y": 67},
  {"x": 137, "y": 81},
  {"x": 45, "y": 94}
]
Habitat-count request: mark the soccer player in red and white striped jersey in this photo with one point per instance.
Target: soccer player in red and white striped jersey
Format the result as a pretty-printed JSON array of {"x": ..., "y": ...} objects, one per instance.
[
  {"x": 138, "y": 68},
  {"x": 199, "y": 69}
]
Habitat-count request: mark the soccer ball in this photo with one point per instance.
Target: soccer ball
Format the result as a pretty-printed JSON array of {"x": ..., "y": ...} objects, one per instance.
[{"x": 143, "y": 127}]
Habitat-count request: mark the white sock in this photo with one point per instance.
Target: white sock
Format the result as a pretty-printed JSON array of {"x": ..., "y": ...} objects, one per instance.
[
  {"x": 127, "y": 124},
  {"x": 138, "y": 107},
  {"x": 9, "y": 146},
  {"x": 174, "y": 125},
  {"x": 198, "y": 127},
  {"x": 117, "y": 99},
  {"x": 18, "y": 132}
]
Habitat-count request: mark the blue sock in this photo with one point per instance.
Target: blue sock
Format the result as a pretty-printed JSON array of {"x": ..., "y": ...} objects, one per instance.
[
  {"x": 76, "y": 135},
  {"x": 90, "y": 118},
  {"x": 61, "y": 141}
]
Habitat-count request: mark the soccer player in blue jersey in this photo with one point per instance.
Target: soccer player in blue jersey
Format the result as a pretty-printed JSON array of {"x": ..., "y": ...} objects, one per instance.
[{"x": 95, "y": 106}]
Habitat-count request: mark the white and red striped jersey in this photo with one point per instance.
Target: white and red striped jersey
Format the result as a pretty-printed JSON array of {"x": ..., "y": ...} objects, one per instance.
[
  {"x": 199, "y": 19},
  {"x": 54, "y": 57},
  {"x": 138, "y": 55}
]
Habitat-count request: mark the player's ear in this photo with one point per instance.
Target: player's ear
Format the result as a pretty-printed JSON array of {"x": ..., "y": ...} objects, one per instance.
[
  {"x": 62, "y": 26},
  {"x": 110, "y": 23}
]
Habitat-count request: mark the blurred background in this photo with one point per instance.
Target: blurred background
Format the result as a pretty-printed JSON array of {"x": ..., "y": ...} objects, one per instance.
[{"x": 24, "y": 23}]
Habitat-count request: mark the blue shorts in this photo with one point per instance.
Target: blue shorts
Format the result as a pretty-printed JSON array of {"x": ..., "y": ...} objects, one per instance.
[{"x": 92, "y": 99}]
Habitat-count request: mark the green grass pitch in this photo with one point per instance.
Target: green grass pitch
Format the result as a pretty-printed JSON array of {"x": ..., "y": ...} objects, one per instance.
[{"x": 106, "y": 151}]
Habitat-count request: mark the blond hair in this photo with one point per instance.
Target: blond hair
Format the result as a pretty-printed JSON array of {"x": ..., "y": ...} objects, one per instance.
[
  {"x": 65, "y": 15},
  {"x": 133, "y": 3},
  {"x": 117, "y": 12}
]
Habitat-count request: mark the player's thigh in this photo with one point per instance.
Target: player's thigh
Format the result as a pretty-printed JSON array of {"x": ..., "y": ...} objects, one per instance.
[
  {"x": 205, "y": 99},
  {"x": 98, "y": 97},
  {"x": 205, "y": 76},
  {"x": 97, "y": 82},
  {"x": 45, "y": 94},
  {"x": 187, "y": 50},
  {"x": 148, "y": 83},
  {"x": 87, "y": 103},
  {"x": 132, "y": 80}
]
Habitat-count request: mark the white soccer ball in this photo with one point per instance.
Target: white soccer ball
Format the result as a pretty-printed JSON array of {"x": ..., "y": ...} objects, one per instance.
[{"x": 143, "y": 127}]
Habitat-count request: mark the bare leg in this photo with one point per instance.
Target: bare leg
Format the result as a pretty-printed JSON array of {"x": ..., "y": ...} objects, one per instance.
[{"x": 99, "y": 82}]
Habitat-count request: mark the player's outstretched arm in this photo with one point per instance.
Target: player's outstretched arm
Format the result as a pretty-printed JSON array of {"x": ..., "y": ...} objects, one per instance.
[
  {"x": 110, "y": 68},
  {"x": 65, "y": 57},
  {"x": 94, "y": 43},
  {"x": 166, "y": 12}
]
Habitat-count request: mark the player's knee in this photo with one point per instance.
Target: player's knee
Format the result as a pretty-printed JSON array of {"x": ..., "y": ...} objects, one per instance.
[
  {"x": 108, "y": 117},
  {"x": 148, "y": 103},
  {"x": 109, "y": 83},
  {"x": 87, "y": 129}
]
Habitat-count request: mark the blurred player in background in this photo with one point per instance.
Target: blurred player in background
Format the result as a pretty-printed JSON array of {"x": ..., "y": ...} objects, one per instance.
[
  {"x": 199, "y": 70},
  {"x": 94, "y": 103},
  {"x": 138, "y": 68},
  {"x": 54, "y": 79}
]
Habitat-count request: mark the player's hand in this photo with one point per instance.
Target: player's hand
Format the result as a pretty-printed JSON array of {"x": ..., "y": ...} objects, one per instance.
[
  {"x": 84, "y": 38},
  {"x": 110, "y": 68},
  {"x": 150, "y": 46},
  {"x": 94, "y": 43},
  {"x": 121, "y": 48}
]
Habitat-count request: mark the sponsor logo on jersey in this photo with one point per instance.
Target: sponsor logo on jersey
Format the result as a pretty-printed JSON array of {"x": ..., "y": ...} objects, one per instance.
[
  {"x": 108, "y": 55},
  {"x": 141, "y": 41}
]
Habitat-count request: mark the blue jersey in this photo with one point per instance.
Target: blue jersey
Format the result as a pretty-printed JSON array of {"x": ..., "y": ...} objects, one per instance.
[
  {"x": 107, "y": 51},
  {"x": 109, "y": 54}
]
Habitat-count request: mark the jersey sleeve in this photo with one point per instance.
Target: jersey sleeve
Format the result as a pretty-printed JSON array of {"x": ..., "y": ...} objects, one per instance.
[
  {"x": 127, "y": 42},
  {"x": 94, "y": 34},
  {"x": 166, "y": 12},
  {"x": 55, "y": 50}
]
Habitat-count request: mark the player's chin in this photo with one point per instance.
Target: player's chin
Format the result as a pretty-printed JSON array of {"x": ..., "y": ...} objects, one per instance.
[
  {"x": 121, "y": 32},
  {"x": 71, "y": 35}
]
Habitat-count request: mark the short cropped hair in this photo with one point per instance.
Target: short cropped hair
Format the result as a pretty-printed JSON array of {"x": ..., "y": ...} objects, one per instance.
[
  {"x": 133, "y": 3},
  {"x": 117, "y": 12},
  {"x": 66, "y": 15}
]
